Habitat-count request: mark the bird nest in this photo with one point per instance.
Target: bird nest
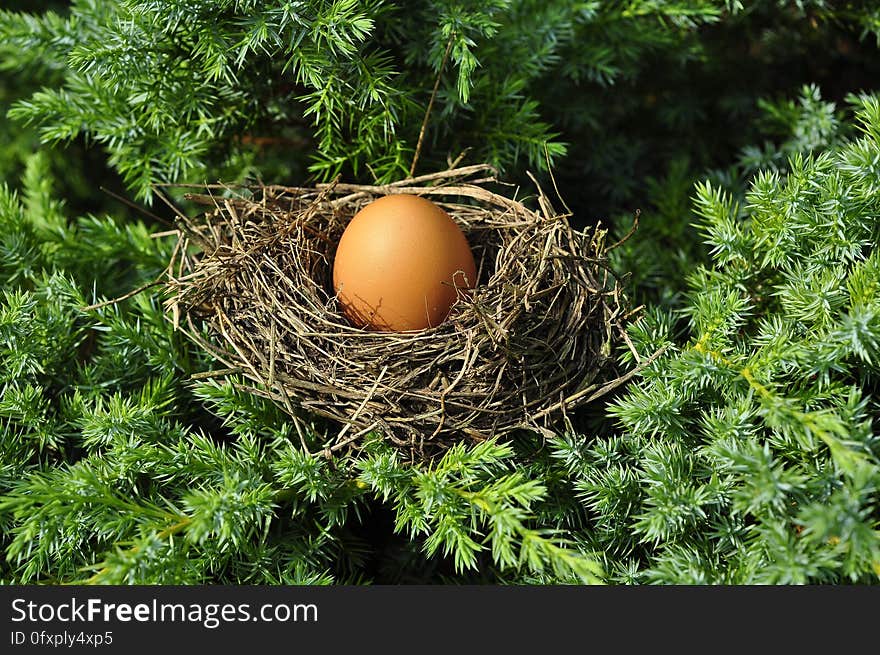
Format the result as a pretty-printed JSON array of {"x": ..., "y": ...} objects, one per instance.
[{"x": 251, "y": 283}]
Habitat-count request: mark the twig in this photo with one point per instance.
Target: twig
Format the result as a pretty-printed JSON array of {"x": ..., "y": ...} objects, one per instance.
[
  {"x": 126, "y": 201},
  {"x": 553, "y": 180},
  {"x": 613, "y": 384},
  {"x": 217, "y": 373},
  {"x": 632, "y": 231},
  {"x": 124, "y": 297},
  {"x": 412, "y": 168},
  {"x": 363, "y": 404},
  {"x": 166, "y": 233}
]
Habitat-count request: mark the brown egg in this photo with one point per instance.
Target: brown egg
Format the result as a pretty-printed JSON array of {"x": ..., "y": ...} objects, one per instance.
[{"x": 399, "y": 263}]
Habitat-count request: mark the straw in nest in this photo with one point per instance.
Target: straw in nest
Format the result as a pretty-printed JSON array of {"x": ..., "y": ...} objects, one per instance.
[{"x": 532, "y": 341}]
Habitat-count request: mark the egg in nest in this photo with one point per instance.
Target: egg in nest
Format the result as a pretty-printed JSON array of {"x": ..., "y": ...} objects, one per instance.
[{"x": 400, "y": 265}]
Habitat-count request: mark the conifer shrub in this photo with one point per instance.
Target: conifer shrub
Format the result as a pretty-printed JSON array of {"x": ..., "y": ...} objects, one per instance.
[
  {"x": 749, "y": 453},
  {"x": 745, "y": 453},
  {"x": 281, "y": 91}
]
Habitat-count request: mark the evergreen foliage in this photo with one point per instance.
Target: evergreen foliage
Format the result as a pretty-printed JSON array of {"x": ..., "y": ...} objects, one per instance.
[
  {"x": 749, "y": 453},
  {"x": 201, "y": 90},
  {"x": 746, "y": 453}
]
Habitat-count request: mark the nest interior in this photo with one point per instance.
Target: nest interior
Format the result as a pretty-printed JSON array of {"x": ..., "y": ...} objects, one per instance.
[{"x": 251, "y": 282}]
